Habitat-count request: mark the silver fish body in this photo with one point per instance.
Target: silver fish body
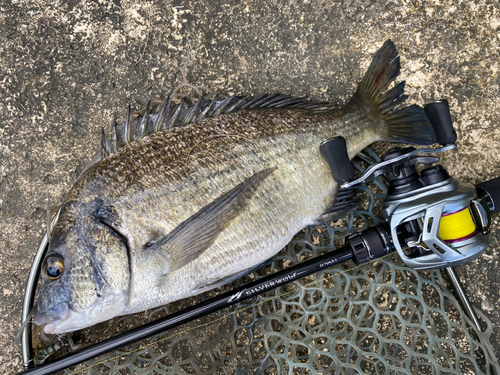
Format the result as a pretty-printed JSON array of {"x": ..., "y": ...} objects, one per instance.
[{"x": 181, "y": 210}]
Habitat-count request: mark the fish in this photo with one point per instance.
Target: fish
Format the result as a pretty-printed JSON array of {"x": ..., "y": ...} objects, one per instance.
[{"x": 189, "y": 197}]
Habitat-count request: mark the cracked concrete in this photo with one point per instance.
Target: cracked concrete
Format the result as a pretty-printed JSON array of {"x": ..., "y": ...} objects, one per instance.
[{"x": 67, "y": 68}]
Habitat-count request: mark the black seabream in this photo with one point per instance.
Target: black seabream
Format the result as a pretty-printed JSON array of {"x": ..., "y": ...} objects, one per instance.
[{"x": 185, "y": 199}]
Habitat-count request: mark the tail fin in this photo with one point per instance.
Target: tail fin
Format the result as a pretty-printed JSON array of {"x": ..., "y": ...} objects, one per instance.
[{"x": 408, "y": 124}]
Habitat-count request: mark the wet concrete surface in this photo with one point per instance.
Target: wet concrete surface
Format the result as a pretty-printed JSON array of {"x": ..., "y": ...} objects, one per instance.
[{"x": 67, "y": 68}]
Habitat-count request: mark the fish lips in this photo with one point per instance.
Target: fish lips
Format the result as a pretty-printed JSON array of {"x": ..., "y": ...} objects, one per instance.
[
  {"x": 61, "y": 318},
  {"x": 54, "y": 318}
]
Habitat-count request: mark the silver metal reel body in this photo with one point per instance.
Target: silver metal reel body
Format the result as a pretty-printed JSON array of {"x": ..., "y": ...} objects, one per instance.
[{"x": 427, "y": 205}]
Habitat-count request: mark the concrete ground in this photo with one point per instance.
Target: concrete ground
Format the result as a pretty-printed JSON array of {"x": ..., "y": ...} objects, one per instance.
[{"x": 69, "y": 67}]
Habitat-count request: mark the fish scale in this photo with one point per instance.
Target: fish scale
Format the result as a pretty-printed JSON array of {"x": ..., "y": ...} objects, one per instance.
[{"x": 185, "y": 199}]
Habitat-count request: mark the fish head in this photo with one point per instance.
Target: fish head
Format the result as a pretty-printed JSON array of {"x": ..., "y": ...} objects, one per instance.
[{"x": 85, "y": 275}]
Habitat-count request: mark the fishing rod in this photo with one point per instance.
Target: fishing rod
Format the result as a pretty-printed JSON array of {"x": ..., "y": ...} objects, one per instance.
[{"x": 431, "y": 220}]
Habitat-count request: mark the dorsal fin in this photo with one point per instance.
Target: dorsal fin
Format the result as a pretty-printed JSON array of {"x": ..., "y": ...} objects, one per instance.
[
  {"x": 144, "y": 128},
  {"x": 171, "y": 115}
]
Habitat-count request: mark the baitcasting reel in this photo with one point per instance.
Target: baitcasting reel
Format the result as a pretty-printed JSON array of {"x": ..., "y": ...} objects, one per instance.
[{"x": 434, "y": 220}]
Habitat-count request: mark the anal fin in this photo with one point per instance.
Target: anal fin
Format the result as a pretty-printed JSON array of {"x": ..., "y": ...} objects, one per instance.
[{"x": 344, "y": 203}]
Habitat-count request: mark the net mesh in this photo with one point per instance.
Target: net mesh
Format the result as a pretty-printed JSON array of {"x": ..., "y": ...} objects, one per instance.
[{"x": 378, "y": 318}]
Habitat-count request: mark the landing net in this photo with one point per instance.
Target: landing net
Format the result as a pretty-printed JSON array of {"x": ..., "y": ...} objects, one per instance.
[{"x": 378, "y": 318}]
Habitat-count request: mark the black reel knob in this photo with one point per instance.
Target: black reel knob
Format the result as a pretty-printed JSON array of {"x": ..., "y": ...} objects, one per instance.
[
  {"x": 335, "y": 153},
  {"x": 439, "y": 116},
  {"x": 490, "y": 191}
]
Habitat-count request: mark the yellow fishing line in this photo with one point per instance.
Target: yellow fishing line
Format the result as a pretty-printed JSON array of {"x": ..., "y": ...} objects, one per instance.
[
  {"x": 227, "y": 315},
  {"x": 457, "y": 225}
]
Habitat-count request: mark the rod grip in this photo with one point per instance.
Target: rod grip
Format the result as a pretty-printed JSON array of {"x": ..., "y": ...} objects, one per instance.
[
  {"x": 334, "y": 151},
  {"x": 439, "y": 116}
]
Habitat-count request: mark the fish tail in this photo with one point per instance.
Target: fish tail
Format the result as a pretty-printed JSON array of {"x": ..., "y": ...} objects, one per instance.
[{"x": 408, "y": 124}]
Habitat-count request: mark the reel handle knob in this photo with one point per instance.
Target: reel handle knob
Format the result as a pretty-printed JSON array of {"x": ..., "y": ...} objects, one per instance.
[
  {"x": 334, "y": 151},
  {"x": 492, "y": 190},
  {"x": 439, "y": 116}
]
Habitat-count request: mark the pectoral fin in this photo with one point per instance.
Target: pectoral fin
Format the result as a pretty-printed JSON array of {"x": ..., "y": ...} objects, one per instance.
[{"x": 193, "y": 236}]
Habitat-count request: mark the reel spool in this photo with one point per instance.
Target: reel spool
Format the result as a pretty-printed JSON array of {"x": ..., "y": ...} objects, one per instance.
[
  {"x": 457, "y": 226},
  {"x": 434, "y": 220}
]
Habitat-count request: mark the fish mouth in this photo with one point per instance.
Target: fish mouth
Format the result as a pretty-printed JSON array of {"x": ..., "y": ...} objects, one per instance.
[
  {"x": 62, "y": 319},
  {"x": 54, "y": 319}
]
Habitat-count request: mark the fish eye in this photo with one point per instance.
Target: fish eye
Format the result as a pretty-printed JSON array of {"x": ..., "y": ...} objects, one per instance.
[{"x": 53, "y": 267}]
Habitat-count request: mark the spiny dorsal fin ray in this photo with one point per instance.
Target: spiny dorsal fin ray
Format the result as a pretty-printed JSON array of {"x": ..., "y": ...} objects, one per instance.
[
  {"x": 162, "y": 114},
  {"x": 127, "y": 131},
  {"x": 194, "y": 111},
  {"x": 105, "y": 151},
  {"x": 224, "y": 104},
  {"x": 174, "y": 115},
  {"x": 143, "y": 125}
]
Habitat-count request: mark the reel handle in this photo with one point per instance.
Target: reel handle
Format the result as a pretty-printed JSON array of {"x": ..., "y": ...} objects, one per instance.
[
  {"x": 439, "y": 116},
  {"x": 492, "y": 190},
  {"x": 334, "y": 151}
]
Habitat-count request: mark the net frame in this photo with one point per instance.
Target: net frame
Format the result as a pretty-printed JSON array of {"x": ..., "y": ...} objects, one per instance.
[{"x": 372, "y": 316}]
